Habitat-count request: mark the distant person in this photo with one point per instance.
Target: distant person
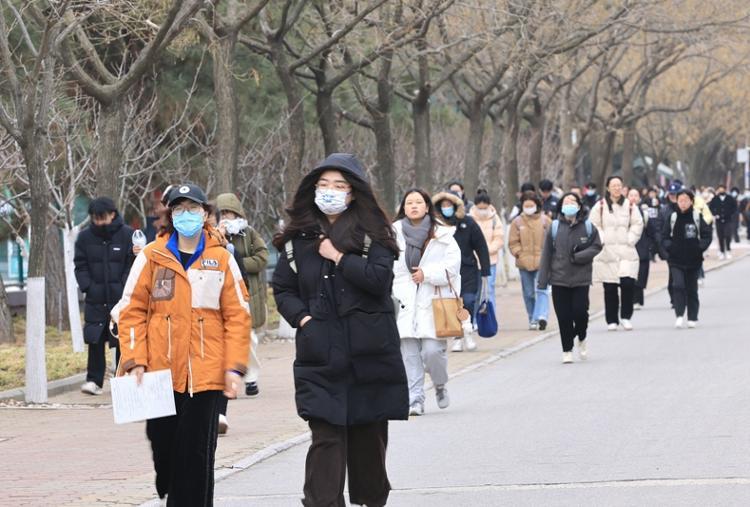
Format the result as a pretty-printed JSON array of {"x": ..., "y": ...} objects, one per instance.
[
  {"x": 333, "y": 283},
  {"x": 745, "y": 212},
  {"x": 576, "y": 189},
  {"x": 251, "y": 254},
  {"x": 429, "y": 263},
  {"x": 591, "y": 196},
  {"x": 485, "y": 214},
  {"x": 473, "y": 246},
  {"x": 735, "y": 193},
  {"x": 457, "y": 188},
  {"x": 185, "y": 309},
  {"x": 620, "y": 226},
  {"x": 104, "y": 253},
  {"x": 724, "y": 208},
  {"x": 648, "y": 242},
  {"x": 517, "y": 208},
  {"x": 685, "y": 236},
  {"x": 566, "y": 265},
  {"x": 527, "y": 234},
  {"x": 549, "y": 200}
]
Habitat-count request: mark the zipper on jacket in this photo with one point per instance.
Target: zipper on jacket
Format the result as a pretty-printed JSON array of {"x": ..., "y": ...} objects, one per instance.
[
  {"x": 169, "y": 337},
  {"x": 190, "y": 375},
  {"x": 200, "y": 322}
]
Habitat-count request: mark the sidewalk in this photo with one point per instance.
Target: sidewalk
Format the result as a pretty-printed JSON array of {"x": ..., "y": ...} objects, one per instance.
[{"x": 71, "y": 453}]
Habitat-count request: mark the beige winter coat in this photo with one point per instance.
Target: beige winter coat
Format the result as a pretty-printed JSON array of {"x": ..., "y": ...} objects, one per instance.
[
  {"x": 620, "y": 230},
  {"x": 526, "y": 239},
  {"x": 492, "y": 229}
]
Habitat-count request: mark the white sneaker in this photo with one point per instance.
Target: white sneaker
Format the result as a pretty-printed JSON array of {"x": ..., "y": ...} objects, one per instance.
[
  {"x": 612, "y": 327},
  {"x": 91, "y": 388},
  {"x": 626, "y": 325},
  {"x": 534, "y": 326},
  {"x": 223, "y": 424},
  {"x": 692, "y": 324},
  {"x": 471, "y": 344},
  {"x": 679, "y": 322},
  {"x": 729, "y": 255},
  {"x": 441, "y": 394},
  {"x": 567, "y": 357},
  {"x": 637, "y": 307},
  {"x": 582, "y": 350},
  {"x": 458, "y": 345},
  {"x": 722, "y": 256},
  {"x": 416, "y": 409}
]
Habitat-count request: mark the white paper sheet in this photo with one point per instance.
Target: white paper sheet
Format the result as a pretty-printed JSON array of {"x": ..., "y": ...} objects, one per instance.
[{"x": 152, "y": 399}]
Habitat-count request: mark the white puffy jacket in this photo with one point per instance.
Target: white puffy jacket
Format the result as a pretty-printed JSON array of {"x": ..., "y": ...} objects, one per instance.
[{"x": 619, "y": 229}]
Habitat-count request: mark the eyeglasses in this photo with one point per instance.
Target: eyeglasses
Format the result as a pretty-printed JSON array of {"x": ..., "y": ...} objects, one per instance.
[
  {"x": 195, "y": 209},
  {"x": 340, "y": 187}
]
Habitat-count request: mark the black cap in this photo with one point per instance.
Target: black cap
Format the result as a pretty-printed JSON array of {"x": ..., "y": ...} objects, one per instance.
[{"x": 186, "y": 191}]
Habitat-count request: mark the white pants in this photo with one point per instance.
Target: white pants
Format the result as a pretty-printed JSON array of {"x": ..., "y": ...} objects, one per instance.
[
  {"x": 420, "y": 355},
  {"x": 253, "y": 364}
]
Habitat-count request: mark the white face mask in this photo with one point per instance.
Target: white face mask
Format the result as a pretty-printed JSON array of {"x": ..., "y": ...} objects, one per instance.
[
  {"x": 331, "y": 202},
  {"x": 530, "y": 211},
  {"x": 484, "y": 213},
  {"x": 235, "y": 226}
]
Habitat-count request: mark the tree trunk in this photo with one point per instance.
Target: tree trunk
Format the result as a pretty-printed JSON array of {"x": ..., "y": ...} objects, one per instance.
[
  {"x": 628, "y": 154},
  {"x": 227, "y": 113},
  {"x": 381, "y": 122},
  {"x": 600, "y": 147},
  {"x": 109, "y": 158},
  {"x": 473, "y": 156},
  {"x": 497, "y": 193},
  {"x": 510, "y": 153},
  {"x": 296, "y": 117},
  {"x": 422, "y": 150},
  {"x": 54, "y": 281},
  {"x": 536, "y": 143},
  {"x": 327, "y": 120},
  {"x": 6, "y": 320}
]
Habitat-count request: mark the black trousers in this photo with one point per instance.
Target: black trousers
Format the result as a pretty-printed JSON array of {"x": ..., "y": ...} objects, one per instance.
[
  {"x": 183, "y": 448},
  {"x": 685, "y": 291},
  {"x": 724, "y": 235},
  {"x": 618, "y": 299},
  {"x": 334, "y": 449},
  {"x": 572, "y": 310},
  {"x": 96, "y": 365},
  {"x": 640, "y": 285}
]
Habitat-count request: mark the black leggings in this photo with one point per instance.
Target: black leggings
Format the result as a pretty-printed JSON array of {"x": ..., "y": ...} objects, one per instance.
[
  {"x": 184, "y": 447},
  {"x": 614, "y": 304},
  {"x": 685, "y": 291},
  {"x": 572, "y": 310},
  {"x": 724, "y": 234}
]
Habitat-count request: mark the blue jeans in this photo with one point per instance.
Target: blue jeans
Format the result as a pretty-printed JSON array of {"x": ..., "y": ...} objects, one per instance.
[{"x": 537, "y": 301}]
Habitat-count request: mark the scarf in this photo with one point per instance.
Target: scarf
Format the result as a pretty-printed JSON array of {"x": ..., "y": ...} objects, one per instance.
[{"x": 415, "y": 237}]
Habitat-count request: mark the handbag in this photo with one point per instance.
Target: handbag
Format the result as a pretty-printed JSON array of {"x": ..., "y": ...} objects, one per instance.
[
  {"x": 486, "y": 318},
  {"x": 448, "y": 313}
]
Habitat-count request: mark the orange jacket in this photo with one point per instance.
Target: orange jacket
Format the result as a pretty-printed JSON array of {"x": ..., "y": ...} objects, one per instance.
[{"x": 196, "y": 323}]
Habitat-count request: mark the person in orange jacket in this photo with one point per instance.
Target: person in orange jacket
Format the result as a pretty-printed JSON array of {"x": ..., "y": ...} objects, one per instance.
[{"x": 185, "y": 308}]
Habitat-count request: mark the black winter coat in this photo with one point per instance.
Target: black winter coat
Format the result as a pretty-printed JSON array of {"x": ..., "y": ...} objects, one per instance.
[
  {"x": 724, "y": 211},
  {"x": 348, "y": 368},
  {"x": 470, "y": 239},
  {"x": 649, "y": 242},
  {"x": 103, "y": 257},
  {"x": 683, "y": 247}
]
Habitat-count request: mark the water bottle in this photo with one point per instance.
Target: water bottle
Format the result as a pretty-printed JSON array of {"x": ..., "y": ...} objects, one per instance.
[{"x": 139, "y": 239}]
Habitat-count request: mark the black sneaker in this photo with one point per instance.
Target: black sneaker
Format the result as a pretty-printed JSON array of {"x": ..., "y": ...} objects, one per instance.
[
  {"x": 251, "y": 389},
  {"x": 542, "y": 324}
]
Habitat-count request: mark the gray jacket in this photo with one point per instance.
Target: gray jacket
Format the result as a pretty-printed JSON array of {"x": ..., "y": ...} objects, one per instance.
[{"x": 560, "y": 264}]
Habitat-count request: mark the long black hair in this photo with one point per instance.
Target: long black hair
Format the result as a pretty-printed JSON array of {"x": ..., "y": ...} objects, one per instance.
[
  {"x": 432, "y": 211},
  {"x": 364, "y": 216},
  {"x": 582, "y": 211},
  {"x": 608, "y": 197}
]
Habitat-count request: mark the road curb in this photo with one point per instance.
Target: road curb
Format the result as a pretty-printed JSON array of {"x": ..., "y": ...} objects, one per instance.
[{"x": 54, "y": 388}]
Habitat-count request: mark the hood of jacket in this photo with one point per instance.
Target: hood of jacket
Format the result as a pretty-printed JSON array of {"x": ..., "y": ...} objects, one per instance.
[
  {"x": 458, "y": 203},
  {"x": 230, "y": 202}
]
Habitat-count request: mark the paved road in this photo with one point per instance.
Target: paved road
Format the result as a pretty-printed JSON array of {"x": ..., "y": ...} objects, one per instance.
[{"x": 655, "y": 417}]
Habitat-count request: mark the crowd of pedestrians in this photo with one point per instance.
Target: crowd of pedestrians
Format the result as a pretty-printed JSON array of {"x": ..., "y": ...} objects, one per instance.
[{"x": 376, "y": 302}]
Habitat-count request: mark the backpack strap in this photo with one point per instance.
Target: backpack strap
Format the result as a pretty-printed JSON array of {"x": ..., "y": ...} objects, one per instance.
[
  {"x": 589, "y": 228},
  {"x": 289, "y": 250}
]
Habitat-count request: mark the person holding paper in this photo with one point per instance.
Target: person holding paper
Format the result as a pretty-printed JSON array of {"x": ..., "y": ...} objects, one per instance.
[{"x": 185, "y": 309}]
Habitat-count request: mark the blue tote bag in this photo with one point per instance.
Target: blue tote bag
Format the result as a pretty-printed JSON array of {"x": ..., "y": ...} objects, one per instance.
[{"x": 485, "y": 318}]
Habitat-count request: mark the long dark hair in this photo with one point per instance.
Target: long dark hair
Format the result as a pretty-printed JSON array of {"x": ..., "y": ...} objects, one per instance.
[
  {"x": 364, "y": 216},
  {"x": 608, "y": 197},
  {"x": 582, "y": 212},
  {"x": 431, "y": 209}
]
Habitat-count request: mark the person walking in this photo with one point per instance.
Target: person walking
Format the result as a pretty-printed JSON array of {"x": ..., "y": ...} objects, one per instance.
[
  {"x": 566, "y": 264},
  {"x": 724, "y": 208},
  {"x": 486, "y": 216},
  {"x": 620, "y": 225},
  {"x": 473, "y": 246},
  {"x": 527, "y": 234},
  {"x": 548, "y": 198},
  {"x": 185, "y": 309},
  {"x": 429, "y": 262},
  {"x": 251, "y": 254},
  {"x": 685, "y": 236},
  {"x": 333, "y": 283},
  {"x": 648, "y": 243},
  {"x": 103, "y": 256},
  {"x": 591, "y": 196}
]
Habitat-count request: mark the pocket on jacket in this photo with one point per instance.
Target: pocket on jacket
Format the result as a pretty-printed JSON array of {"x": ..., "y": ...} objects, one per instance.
[
  {"x": 206, "y": 288},
  {"x": 92, "y": 332},
  {"x": 371, "y": 333},
  {"x": 313, "y": 346}
]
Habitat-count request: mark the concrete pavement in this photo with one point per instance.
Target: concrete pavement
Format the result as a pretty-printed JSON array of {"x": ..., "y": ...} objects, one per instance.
[{"x": 657, "y": 416}]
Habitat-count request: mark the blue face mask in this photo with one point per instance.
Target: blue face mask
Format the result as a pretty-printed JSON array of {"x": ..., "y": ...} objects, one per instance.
[
  {"x": 591, "y": 193},
  {"x": 448, "y": 212},
  {"x": 570, "y": 210},
  {"x": 187, "y": 224}
]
